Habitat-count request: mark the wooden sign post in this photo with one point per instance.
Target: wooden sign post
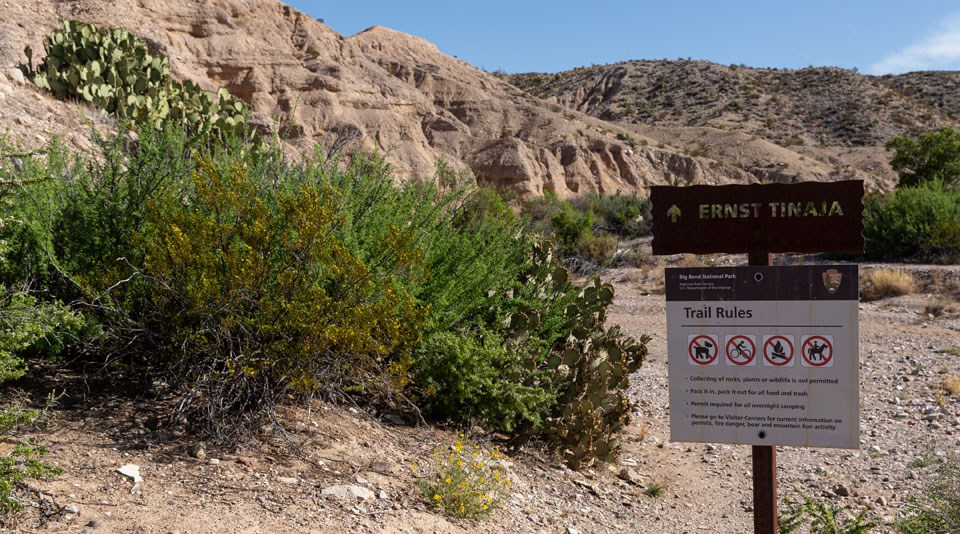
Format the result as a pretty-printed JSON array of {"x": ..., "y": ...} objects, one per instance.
[
  {"x": 764, "y": 456},
  {"x": 729, "y": 358}
]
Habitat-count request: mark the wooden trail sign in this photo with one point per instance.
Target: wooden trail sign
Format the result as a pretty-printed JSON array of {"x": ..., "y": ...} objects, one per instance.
[{"x": 802, "y": 217}]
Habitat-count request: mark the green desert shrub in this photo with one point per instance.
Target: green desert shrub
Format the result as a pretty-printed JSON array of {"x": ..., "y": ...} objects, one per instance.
[
  {"x": 24, "y": 462},
  {"x": 598, "y": 248},
  {"x": 31, "y": 322},
  {"x": 240, "y": 280},
  {"x": 570, "y": 226},
  {"x": 538, "y": 210},
  {"x": 510, "y": 342},
  {"x": 480, "y": 378},
  {"x": 586, "y": 229},
  {"x": 628, "y": 139},
  {"x": 31, "y": 327},
  {"x": 28, "y": 326},
  {"x": 256, "y": 298},
  {"x": 582, "y": 363},
  {"x": 932, "y": 156},
  {"x": 469, "y": 240},
  {"x": 78, "y": 216},
  {"x": 620, "y": 214},
  {"x": 937, "y": 511},
  {"x": 557, "y": 372},
  {"x": 920, "y": 222}
]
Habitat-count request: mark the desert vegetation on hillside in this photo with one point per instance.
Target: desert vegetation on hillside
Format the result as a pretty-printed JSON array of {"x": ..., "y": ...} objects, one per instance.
[
  {"x": 241, "y": 279},
  {"x": 588, "y": 230},
  {"x": 921, "y": 218},
  {"x": 822, "y": 106},
  {"x": 191, "y": 258},
  {"x": 115, "y": 71}
]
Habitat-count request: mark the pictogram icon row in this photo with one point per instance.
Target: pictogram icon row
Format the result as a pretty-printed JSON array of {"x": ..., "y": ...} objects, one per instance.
[{"x": 745, "y": 350}]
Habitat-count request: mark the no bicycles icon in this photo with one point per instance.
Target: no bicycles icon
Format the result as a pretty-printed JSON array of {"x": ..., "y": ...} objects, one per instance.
[
  {"x": 741, "y": 349},
  {"x": 703, "y": 349}
]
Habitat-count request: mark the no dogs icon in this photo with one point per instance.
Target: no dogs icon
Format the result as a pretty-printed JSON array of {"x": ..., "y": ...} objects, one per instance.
[
  {"x": 816, "y": 351},
  {"x": 703, "y": 349}
]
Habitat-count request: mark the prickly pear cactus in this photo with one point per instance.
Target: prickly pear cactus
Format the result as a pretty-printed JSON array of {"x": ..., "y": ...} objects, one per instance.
[
  {"x": 98, "y": 65},
  {"x": 588, "y": 368},
  {"x": 592, "y": 369},
  {"x": 115, "y": 71}
]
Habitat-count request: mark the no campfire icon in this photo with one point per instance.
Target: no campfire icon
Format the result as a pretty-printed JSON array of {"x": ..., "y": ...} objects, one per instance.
[{"x": 778, "y": 351}]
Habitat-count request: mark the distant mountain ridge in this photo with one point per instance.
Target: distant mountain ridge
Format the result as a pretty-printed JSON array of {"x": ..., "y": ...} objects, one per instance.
[{"x": 824, "y": 105}]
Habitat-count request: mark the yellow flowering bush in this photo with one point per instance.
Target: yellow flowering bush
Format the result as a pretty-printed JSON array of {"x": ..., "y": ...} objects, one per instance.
[
  {"x": 259, "y": 298},
  {"x": 467, "y": 481}
]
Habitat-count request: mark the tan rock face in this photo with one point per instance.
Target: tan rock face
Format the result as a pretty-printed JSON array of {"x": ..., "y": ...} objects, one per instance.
[{"x": 380, "y": 90}]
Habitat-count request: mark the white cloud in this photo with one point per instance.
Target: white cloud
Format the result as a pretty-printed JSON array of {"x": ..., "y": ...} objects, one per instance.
[{"x": 936, "y": 51}]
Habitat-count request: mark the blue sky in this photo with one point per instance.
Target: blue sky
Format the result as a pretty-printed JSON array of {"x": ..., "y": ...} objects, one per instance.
[{"x": 876, "y": 37}]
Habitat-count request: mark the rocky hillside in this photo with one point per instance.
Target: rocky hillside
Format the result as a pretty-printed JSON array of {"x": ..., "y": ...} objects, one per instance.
[
  {"x": 838, "y": 117},
  {"x": 822, "y": 106},
  {"x": 378, "y": 90},
  {"x": 613, "y": 128}
]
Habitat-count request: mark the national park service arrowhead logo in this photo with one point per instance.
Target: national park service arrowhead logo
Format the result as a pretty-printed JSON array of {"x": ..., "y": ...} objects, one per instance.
[{"x": 832, "y": 279}]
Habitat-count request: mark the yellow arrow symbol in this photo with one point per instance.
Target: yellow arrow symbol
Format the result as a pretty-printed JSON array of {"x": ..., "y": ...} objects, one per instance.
[{"x": 673, "y": 213}]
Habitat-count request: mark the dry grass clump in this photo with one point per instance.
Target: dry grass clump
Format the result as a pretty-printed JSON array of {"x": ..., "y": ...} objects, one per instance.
[
  {"x": 693, "y": 260},
  {"x": 652, "y": 279},
  {"x": 883, "y": 283},
  {"x": 951, "y": 384}
]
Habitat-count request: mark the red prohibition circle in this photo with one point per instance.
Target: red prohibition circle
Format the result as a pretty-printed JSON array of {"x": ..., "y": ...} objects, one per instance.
[
  {"x": 753, "y": 351},
  {"x": 693, "y": 343},
  {"x": 824, "y": 359},
  {"x": 769, "y": 342}
]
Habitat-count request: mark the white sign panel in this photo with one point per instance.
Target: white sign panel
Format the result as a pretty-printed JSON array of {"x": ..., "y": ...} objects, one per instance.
[{"x": 764, "y": 355}]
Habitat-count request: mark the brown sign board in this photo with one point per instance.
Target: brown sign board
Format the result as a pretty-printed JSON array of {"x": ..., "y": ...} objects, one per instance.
[{"x": 801, "y": 217}]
